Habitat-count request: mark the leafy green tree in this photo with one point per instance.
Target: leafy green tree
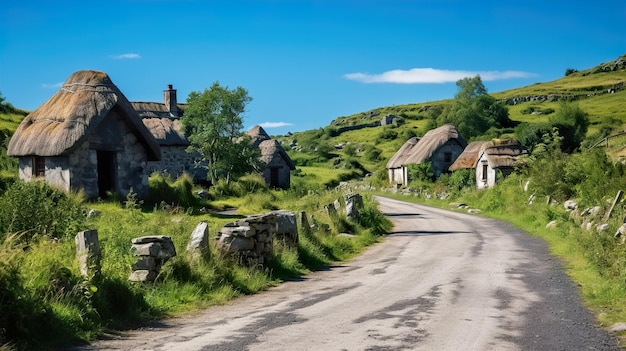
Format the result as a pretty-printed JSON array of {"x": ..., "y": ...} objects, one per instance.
[
  {"x": 572, "y": 123},
  {"x": 473, "y": 111},
  {"x": 213, "y": 121}
]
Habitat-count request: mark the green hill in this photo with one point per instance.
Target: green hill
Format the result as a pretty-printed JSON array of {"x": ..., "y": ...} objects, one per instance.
[{"x": 360, "y": 139}]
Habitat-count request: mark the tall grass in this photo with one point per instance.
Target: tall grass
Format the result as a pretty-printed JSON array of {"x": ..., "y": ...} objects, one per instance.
[{"x": 42, "y": 289}]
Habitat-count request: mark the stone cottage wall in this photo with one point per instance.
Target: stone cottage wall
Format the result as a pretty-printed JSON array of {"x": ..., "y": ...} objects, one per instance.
[
  {"x": 438, "y": 159},
  {"x": 284, "y": 173},
  {"x": 175, "y": 160}
]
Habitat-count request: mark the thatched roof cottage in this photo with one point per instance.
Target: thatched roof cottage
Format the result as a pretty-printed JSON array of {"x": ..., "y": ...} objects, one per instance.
[
  {"x": 499, "y": 158},
  {"x": 469, "y": 157},
  {"x": 440, "y": 146},
  {"x": 163, "y": 121},
  {"x": 87, "y": 135},
  {"x": 278, "y": 165}
]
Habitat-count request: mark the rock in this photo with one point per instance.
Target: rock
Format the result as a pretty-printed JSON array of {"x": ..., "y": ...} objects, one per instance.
[
  {"x": 93, "y": 213},
  {"x": 242, "y": 231},
  {"x": 203, "y": 194},
  {"x": 346, "y": 235},
  {"x": 232, "y": 244},
  {"x": 570, "y": 205},
  {"x": 143, "y": 276},
  {"x": 88, "y": 252},
  {"x": 286, "y": 227},
  {"x": 144, "y": 263},
  {"x": 150, "y": 239},
  {"x": 621, "y": 231},
  {"x": 602, "y": 228},
  {"x": 199, "y": 240},
  {"x": 149, "y": 249},
  {"x": 304, "y": 222},
  {"x": 551, "y": 224},
  {"x": 473, "y": 211},
  {"x": 618, "y": 327},
  {"x": 354, "y": 203}
]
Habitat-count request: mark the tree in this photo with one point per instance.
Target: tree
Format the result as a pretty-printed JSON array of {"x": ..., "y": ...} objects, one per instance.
[
  {"x": 473, "y": 111},
  {"x": 572, "y": 123},
  {"x": 213, "y": 121}
]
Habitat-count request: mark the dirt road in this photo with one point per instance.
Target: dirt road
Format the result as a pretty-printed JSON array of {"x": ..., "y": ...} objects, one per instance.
[{"x": 440, "y": 281}]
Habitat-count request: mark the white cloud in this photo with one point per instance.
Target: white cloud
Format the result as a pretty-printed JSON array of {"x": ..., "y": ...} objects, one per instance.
[
  {"x": 275, "y": 124},
  {"x": 432, "y": 75},
  {"x": 129, "y": 56},
  {"x": 51, "y": 86}
]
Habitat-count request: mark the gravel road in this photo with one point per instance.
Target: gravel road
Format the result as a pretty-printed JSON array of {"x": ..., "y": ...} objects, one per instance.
[{"x": 441, "y": 281}]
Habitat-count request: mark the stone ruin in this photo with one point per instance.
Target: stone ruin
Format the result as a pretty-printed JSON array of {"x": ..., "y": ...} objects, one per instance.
[
  {"x": 151, "y": 252},
  {"x": 250, "y": 240}
]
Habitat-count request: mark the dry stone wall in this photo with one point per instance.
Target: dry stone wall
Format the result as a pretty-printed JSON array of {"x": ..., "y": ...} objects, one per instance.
[{"x": 251, "y": 240}]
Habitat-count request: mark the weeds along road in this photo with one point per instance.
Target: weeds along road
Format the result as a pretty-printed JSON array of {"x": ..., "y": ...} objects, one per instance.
[{"x": 440, "y": 281}]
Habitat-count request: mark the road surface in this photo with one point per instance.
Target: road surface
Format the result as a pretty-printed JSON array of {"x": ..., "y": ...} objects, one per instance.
[{"x": 440, "y": 281}]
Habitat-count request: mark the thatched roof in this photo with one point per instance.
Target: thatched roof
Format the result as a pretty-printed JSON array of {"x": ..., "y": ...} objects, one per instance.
[
  {"x": 426, "y": 146},
  {"x": 167, "y": 131},
  {"x": 399, "y": 158},
  {"x": 270, "y": 149},
  {"x": 257, "y": 135},
  {"x": 469, "y": 157},
  {"x": 154, "y": 109},
  {"x": 71, "y": 115},
  {"x": 504, "y": 153}
]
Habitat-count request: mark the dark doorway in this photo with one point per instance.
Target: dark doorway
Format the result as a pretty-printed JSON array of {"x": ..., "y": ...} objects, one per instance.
[
  {"x": 274, "y": 177},
  {"x": 106, "y": 172}
]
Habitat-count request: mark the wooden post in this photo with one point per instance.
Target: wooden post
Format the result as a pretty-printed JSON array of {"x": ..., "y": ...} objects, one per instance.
[{"x": 618, "y": 197}]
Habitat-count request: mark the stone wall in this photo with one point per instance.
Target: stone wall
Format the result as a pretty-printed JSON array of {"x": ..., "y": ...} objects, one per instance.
[
  {"x": 251, "y": 240},
  {"x": 175, "y": 160}
]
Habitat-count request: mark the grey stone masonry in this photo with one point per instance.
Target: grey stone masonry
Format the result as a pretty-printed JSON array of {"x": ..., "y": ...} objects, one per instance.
[
  {"x": 88, "y": 253},
  {"x": 251, "y": 240},
  {"x": 151, "y": 252}
]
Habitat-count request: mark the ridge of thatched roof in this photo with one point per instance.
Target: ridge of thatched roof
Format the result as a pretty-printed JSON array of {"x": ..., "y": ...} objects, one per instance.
[
  {"x": 270, "y": 149},
  {"x": 424, "y": 148},
  {"x": 469, "y": 157},
  {"x": 504, "y": 153},
  {"x": 166, "y": 131},
  {"x": 397, "y": 160},
  {"x": 258, "y": 135},
  {"x": 72, "y": 114},
  {"x": 154, "y": 109}
]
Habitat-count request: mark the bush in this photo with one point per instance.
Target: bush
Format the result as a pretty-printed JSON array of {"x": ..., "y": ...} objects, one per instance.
[
  {"x": 36, "y": 208},
  {"x": 247, "y": 184},
  {"x": 177, "y": 193}
]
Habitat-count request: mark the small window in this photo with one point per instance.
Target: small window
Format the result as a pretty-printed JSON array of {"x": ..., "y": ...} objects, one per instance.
[
  {"x": 39, "y": 166},
  {"x": 484, "y": 175}
]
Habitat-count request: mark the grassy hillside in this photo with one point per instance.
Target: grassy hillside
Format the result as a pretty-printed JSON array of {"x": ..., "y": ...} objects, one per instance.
[{"x": 588, "y": 88}]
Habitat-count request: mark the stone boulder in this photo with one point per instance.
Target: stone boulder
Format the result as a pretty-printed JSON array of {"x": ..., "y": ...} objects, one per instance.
[{"x": 151, "y": 252}]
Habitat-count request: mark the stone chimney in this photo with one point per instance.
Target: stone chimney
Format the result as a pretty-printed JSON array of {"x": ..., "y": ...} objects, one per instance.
[{"x": 169, "y": 96}]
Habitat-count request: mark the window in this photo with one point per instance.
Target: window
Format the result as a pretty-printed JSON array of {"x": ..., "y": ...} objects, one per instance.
[
  {"x": 39, "y": 166},
  {"x": 484, "y": 175}
]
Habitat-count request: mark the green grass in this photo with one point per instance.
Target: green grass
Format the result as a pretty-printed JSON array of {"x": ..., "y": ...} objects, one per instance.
[{"x": 46, "y": 276}]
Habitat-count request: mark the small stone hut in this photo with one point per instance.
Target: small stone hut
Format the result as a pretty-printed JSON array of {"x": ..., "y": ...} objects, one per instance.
[
  {"x": 440, "y": 146},
  {"x": 87, "y": 135},
  {"x": 278, "y": 165},
  {"x": 163, "y": 121},
  {"x": 499, "y": 158}
]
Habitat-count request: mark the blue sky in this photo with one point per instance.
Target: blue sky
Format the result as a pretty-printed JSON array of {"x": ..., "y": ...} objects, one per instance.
[{"x": 303, "y": 62}]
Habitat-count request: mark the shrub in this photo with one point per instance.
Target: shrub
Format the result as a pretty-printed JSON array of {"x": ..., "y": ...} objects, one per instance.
[
  {"x": 36, "y": 208},
  {"x": 178, "y": 192}
]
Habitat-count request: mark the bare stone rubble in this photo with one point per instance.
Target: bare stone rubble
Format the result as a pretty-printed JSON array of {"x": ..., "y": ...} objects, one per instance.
[
  {"x": 151, "y": 252},
  {"x": 251, "y": 240}
]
